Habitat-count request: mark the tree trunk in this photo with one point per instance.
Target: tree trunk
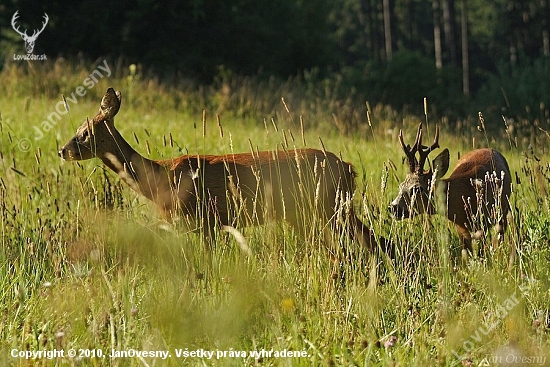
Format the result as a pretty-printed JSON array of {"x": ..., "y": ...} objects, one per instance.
[
  {"x": 409, "y": 27},
  {"x": 545, "y": 25},
  {"x": 545, "y": 43},
  {"x": 465, "y": 61},
  {"x": 450, "y": 29},
  {"x": 437, "y": 35},
  {"x": 371, "y": 29},
  {"x": 387, "y": 29}
]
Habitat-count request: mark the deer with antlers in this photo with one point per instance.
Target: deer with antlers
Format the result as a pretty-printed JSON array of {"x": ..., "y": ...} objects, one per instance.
[
  {"x": 29, "y": 40},
  {"x": 477, "y": 191},
  {"x": 227, "y": 190}
]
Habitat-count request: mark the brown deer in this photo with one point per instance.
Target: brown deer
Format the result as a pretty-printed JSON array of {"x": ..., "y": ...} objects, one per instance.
[
  {"x": 226, "y": 190},
  {"x": 478, "y": 188}
]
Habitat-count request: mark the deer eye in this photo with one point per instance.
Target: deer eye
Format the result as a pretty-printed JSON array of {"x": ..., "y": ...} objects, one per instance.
[{"x": 86, "y": 135}]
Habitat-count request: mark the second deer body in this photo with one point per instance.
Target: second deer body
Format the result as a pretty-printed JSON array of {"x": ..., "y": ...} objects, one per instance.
[
  {"x": 478, "y": 189},
  {"x": 232, "y": 189}
]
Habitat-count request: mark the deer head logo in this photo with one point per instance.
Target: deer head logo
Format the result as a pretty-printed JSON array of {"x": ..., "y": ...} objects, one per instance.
[{"x": 29, "y": 40}]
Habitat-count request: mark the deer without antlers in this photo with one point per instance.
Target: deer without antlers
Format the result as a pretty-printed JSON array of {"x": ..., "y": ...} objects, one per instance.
[
  {"x": 29, "y": 40},
  {"x": 243, "y": 188},
  {"x": 479, "y": 186}
]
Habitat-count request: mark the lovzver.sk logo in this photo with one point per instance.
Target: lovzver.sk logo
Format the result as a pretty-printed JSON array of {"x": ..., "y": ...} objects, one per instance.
[{"x": 29, "y": 40}]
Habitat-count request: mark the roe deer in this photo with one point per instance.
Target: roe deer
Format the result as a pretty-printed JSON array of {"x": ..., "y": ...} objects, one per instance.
[
  {"x": 228, "y": 189},
  {"x": 479, "y": 187}
]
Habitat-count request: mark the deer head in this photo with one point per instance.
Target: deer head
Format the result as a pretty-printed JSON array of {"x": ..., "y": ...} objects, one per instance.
[
  {"x": 95, "y": 137},
  {"x": 414, "y": 192},
  {"x": 29, "y": 40}
]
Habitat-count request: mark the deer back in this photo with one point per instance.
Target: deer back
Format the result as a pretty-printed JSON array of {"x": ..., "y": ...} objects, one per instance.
[
  {"x": 481, "y": 180},
  {"x": 262, "y": 185}
]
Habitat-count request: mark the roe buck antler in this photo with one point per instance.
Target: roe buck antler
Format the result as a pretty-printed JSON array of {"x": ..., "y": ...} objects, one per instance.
[
  {"x": 423, "y": 151},
  {"x": 29, "y": 40},
  {"x": 244, "y": 188},
  {"x": 479, "y": 186}
]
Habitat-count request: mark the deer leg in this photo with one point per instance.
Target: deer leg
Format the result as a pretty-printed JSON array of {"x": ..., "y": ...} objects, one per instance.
[
  {"x": 501, "y": 226},
  {"x": 500, "y": 229},
  {"x": 209, "y": 220},
  {"x": 465, "y": 238},
  {"x": 365, "y": 236}
]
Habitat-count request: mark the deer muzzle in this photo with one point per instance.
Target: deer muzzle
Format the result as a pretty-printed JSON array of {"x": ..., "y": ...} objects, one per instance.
[
  {"x": 64, "y": 153},
  {"x": 70, "y": 152}
]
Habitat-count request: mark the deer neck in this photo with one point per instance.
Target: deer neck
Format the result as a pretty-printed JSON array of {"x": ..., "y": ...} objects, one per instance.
[{"x": 143, "y": 175}]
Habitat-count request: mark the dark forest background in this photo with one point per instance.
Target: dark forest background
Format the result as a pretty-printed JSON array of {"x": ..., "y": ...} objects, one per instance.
[{"x": 464, "y": 55}]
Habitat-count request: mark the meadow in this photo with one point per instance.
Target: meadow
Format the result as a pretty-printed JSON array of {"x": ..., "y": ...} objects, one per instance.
[{"x": 88, "y": 266}]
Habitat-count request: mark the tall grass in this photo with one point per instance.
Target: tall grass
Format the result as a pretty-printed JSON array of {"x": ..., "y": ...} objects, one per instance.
[{"x": 86, "y": 263}]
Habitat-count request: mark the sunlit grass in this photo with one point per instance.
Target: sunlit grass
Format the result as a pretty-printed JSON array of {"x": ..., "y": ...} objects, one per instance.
[{"x": 86, "y": 263}]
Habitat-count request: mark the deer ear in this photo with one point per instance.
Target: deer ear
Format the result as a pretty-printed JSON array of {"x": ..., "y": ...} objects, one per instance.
[
  {"x": 441, "y": 163},
  {"x": 110, "y": 104}
]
